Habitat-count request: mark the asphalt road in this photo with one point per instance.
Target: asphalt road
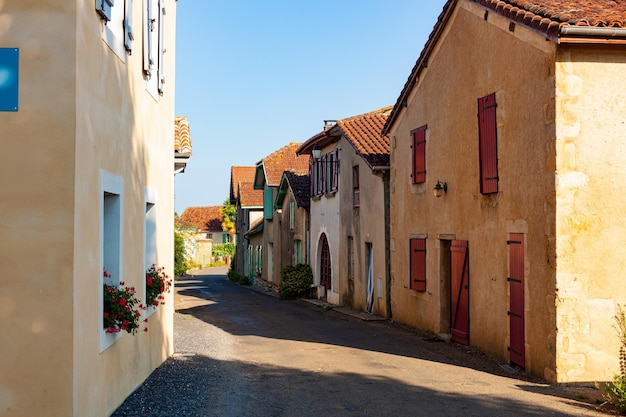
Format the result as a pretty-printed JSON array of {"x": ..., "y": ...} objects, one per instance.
[{"x": 240, "y": 352}]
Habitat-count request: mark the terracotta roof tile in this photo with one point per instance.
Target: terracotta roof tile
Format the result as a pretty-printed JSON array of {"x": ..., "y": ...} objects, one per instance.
[
  {"x": 182, "y": 138},
  {"x": 208, "y": 219},
  {"x": 548, "y": 16},
  {"x": 364, "y": 132},
  {"x": 237, "y": 176},
  {"x": 249, "y": 197},
  {"x": 284, "y": 159},
  {"x": 300, "y": 187}
]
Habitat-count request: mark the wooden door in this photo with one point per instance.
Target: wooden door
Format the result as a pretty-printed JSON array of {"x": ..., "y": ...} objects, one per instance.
[
  {"x": 325, "y": 265},
  {"x": 517, "y": 342},
  {"x": 459, "y": 316}
]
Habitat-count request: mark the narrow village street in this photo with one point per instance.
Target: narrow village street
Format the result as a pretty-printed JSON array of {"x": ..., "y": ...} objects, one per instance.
[{"x": 239, "y": 352}]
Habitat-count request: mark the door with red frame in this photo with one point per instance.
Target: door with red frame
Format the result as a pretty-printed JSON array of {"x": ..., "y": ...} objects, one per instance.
[
  {"x": 459, "y": 316},
  {"x": 517, "y": 342},
  {"x": 325, "y": 265}
]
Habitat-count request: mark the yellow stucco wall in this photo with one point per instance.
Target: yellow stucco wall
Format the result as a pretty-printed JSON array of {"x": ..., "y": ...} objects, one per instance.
[
  {"x": 591, "y": 221},
  {"x": 473, "y": 58},
  {"x": 82, "y": 110}
]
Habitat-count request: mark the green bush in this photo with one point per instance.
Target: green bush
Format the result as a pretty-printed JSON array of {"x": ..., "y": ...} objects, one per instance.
[
  {"x": 297, "y": 281},
  {"x": 234, "y": 276},
  {"x": 181, "y": 265},
  {"x": 222, "y": 250}
]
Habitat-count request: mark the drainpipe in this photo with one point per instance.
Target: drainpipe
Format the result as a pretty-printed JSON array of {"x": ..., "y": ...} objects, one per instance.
[{"x": 593, "y": 31}]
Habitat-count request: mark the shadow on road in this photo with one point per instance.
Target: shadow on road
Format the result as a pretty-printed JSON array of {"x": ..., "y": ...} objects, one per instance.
[
  {"x": 202, "y": 386},
  {"x": 241, "y": 311}
]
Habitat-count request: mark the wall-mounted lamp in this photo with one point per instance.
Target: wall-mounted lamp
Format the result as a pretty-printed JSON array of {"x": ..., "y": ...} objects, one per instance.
[
  {"x": 279, "y": 211},
  {"x": 316, "y": 152},
  {"x": 440, "y": 188}
]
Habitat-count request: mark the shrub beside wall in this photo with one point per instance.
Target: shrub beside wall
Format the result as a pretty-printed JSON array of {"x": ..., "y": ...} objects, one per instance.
[{"x": 297, "y": 281}]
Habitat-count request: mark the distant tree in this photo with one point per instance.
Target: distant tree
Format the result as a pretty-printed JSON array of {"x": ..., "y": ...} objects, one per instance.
[
  {"x": 229, "y": 214},
  {"x": 180, "y": 255}
]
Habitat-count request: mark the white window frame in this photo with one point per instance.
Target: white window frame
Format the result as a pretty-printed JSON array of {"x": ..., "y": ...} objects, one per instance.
[
  {"x": 150, "y": 239},
  {"x": 117, "y": 30},
  {"x": 111, "y": 238}
]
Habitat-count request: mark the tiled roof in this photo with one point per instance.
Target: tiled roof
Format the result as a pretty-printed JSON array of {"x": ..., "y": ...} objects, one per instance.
[
  {"x": 300, "y": 187},
  {"x": 238, "y": 176},
  {"x": 284, "y": 159},
  {"x": 249, "y": 197},
  {"x": 208, "y": 219},
  {"x": 364, "y": 132},
  {"x": 182, "y": 139},
  {"x": 546, "y": 16}
]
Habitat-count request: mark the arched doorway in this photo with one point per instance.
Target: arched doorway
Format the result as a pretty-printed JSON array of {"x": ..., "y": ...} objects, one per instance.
[{"x": 325, "y": 266}]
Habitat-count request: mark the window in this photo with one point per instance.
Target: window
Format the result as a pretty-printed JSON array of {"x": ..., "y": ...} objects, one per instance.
[
  {"x": 418, "y": 264},
  {"x": 297, "y": 252},
  {"x": 210, "y": 235},
  {"x": 117, "y": 30},
  {"x": 488, "y": 144},
  {"x": 356, "y": 201},
  {"x": 292, "y": 215},
  {"x": 111, "y": 205},
  {"x": 325, "y": 174},
  {"x": 350, "y": 258},
  {"x": 150, "y": 238},
  {"x": 418, "y": 173},
  {"x": 268, "y": 204},
  {"x": 154, "y": 45}
]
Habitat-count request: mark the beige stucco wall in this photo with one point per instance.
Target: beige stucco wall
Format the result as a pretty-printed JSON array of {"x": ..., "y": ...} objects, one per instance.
[
  {"x": 36, "y": 221},
  {"x": 591, "y": 220},
  {"x": 474, "y": 58},
  {"x": 366, "y": 225},
  {"x": 81, "y": 110},
  {"x": 326, "y": 220}
]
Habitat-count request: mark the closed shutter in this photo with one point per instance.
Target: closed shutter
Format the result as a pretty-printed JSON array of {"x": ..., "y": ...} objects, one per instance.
[
  {"x": 356, "y": 201},
  {"x": 324, "y": 174},
  {"x": 459, "y": 325},
  {"x": 128, "y": 26},
  {"x": 516, "y": 347},
  {"x": 418, "y": 264},
  {"x": 268, "y": 206},
  {"x": 161, "y": 49},
  {"x": 149, "y": 23},
  {"x": 103, "y": 7},
  {"x": 419, "y": 155},
  {"x": 335, "y": 167},
  {"x": 488, "y": 144}
]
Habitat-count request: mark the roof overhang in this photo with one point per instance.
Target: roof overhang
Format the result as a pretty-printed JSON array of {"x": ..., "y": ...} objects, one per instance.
[{"x": 180, "y": 162}]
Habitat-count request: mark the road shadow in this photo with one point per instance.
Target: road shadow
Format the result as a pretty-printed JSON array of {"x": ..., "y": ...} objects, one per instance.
[
  {"x": 244, "y": 311},
  {"x": 197, "y": 385}
]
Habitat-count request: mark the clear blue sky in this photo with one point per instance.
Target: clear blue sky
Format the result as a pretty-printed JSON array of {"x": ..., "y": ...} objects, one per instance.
[{"x": 253, "y": 76}]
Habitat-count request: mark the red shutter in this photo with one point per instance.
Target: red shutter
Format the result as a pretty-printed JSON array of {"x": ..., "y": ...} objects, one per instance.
[
  {"x": 488, "y": 144},
  {"x": 419, "y": 155},
  {"x": 460, "y": 291},
  {"x": 516, "y": 348},
  {"x": 418, "y": 264}
]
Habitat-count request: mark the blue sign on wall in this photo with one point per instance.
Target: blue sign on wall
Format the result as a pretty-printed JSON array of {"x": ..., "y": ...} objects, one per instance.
[{"x": 9, "y": 77}]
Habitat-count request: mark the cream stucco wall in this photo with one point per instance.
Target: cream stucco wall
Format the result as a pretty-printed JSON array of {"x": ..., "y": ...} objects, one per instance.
[
  {"x": 366, "y": 226},
  {"x": 83, "y": 111},
  {"x": 334, "y": 215},
  {"x": 473, "y": 59},
  {"x": 591, "y": 220}
]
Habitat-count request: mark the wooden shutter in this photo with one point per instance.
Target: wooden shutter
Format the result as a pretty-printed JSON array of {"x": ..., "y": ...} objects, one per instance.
[
  {"x": 488, "y": 149},
  {"x": 460, "y": 291},
  {"x": 268, "y": 204},
  {"x": 148, "y": 37},
  {"x": 324, "y": 174},
  {"x": 128, "y": 26},
  {"x": 516, "y": 347},
  {"x": 335, "y": 168},
  {"x": 419, "y": 155},
  {"x": 418, "y": 264},
  {"x": 161, "y": 48},
  {"x": 356, "y": 201},
  {"x": 103, "y": 7}
]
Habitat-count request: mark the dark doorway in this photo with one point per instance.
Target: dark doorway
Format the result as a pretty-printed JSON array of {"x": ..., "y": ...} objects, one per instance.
[{"x": 325, "y": 265}]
